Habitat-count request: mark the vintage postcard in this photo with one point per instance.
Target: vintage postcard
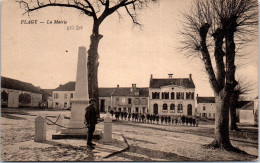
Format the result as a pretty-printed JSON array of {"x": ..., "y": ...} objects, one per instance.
[{"x": 129, "y": 80}]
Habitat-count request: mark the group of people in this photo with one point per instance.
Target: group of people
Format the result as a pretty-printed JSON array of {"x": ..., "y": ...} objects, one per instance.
[
  {"x": 91, "y": 119},
  {"x": 155, "y": 118}
]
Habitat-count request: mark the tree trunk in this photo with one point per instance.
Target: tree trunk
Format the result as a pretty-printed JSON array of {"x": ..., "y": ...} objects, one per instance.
[
  {"x": 93, "y": 65},
  {"x": 221, "y": 121},
  {"x": 233, "y": 118}
]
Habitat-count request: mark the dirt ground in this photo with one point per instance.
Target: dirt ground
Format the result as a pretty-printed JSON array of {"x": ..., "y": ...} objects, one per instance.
[{"x": 147, "y": 142}]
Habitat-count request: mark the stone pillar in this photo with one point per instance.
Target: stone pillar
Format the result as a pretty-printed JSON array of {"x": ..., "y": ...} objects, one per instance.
[
  {"x": 40, "y": 129},
  {"x": 107, "y": 129},
  {"x": 81, "y": 96},
  {"x": 59, "y": 123}
]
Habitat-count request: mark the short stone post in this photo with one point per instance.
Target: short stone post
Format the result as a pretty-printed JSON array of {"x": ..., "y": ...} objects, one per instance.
[
  {"x": 107, "y": 129},
  {"x": 40, "y": 129},
  {"x": 59, "y": 123}
]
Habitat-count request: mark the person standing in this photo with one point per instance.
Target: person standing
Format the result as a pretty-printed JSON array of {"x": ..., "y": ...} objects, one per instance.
[{"x": 91, "y": 121}]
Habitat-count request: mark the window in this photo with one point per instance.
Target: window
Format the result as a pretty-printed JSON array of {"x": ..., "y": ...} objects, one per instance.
[
  {"x": 189, "y": 95},
  {"x": 213, "y": 115},
  {"x": 136, "y": 109},
  {"x": 71, "y": 95},
  {"x": 209, "y": 114},
  {"x": 65, "y": 96},
  {"x": 56, "y": 105},
  {"x": 165, "y": 107},
  {"x": 129, "y": 101},
  {"x": 172, "y": 108},
  {"x": 123, "y": 100},
  {"x": 65, "y": 105},
  {"x": 144, "y": 110},
  {"x": 172, "y": 95},
  {"x": 204, "y": 107},
  {"x": 56, "y": 95},
  {"x": 204, "y": 115},
  {"x": 155, "y": 95},
  {"x": 143, "y": 101},
  {"x": 180, "y": 95},
  {"x": 117, "y": 100},
  {"x": 180, "y": 108},
  {"x": 137, "y": 101},
  {"x": 165, "y": 95}
]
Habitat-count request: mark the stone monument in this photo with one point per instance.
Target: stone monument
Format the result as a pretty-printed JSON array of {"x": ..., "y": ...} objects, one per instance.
[
  {"x": 81, "y": 97},
  {"x": 76, "y": 127}
]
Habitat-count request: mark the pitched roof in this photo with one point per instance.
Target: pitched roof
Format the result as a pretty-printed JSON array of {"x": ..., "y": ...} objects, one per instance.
[
  {"x": 105, "y": 92},
  {"x": 127, "y": 91},
  {"x": 70, "y": 86},
  {"x": 248, "y": 106},
  {"x": 240, "y": 104},
  {"x": 205, "y": 99},
  {"x": 184, "y": 82},
  {"x": 18, "y": 85},
  {"x": 47, "y": 92}
]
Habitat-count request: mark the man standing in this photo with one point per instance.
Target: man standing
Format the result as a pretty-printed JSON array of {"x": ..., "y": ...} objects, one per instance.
[{"x": 91, "y": 121}]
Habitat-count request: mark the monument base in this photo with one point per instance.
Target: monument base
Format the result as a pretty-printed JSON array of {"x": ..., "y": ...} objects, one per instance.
[{"x": 59, "y": 135}]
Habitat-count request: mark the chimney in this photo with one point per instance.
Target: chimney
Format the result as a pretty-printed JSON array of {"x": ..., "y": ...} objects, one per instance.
[
  {"x": 190, "y": 76},
  {"x": 151, "y": 76},
  {"x": 133, "y": 86},
  {"x": 170, "y": 76},
  {"x": 60, "y": 85},
  {"x": 197, "y": 96},
  {"x": 117, "y": 85}
]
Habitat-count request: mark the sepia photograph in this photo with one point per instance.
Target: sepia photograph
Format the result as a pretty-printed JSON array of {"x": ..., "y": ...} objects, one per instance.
[{"x": 129, "y": 80}]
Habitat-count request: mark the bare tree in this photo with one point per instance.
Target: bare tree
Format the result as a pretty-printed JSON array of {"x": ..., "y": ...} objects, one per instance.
[
  {"x": 91, "y": 8},
  {"x": 213, "y": 26},
  {"x": 240, "y": 90}
]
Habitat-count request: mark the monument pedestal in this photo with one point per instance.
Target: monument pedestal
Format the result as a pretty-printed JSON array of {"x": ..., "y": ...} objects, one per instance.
[{"x": 77, "y": 118}]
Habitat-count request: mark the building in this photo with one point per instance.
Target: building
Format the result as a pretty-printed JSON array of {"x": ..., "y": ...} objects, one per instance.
[
  {"x": 15, "y": 93},
  {"x": 62, "y": 96},
  {"x": 206, "y": 107},
  {"x": 130, "y": 99},
  {"x": 172, "y": 96},
  {"x": 105, "y": 99},
  {"x": 246, "y": 114}
]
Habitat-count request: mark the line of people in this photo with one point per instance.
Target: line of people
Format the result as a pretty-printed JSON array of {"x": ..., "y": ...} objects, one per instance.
[{"x": 156, "y": 118}]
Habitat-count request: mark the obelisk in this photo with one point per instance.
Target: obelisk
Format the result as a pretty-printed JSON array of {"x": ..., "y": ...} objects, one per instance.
[{"x": 81, "y": 97}]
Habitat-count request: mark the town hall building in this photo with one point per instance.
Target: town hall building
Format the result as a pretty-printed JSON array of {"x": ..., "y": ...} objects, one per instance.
[{"x": 172, "y": 96}]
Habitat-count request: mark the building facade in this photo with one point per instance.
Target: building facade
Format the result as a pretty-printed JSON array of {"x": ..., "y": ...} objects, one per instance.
[
  {"x": 130, "y": 99},
  {"x": 15, "y": 93},
  {"x": 172, "y": 96},
  {"x": 206, "y": 107},
  {"x": 63, "y": 95}
]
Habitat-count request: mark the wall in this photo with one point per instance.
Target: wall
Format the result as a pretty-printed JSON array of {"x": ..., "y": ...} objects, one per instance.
[
  {"x": 107, "y": 103},
  {"x": 246, "y": 116},
  {"x": 210, "y": 110},
  {"x": 122, "y": 103},
  {"x": 13, "y": 98},
  {"x": 61, "y": 100}
]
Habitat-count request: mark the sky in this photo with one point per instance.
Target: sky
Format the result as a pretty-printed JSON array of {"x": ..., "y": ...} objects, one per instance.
[{"x": 46, "y": 54}]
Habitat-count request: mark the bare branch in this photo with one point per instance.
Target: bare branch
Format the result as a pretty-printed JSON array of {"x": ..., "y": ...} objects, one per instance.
[{"x": 76, "y": 5}]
